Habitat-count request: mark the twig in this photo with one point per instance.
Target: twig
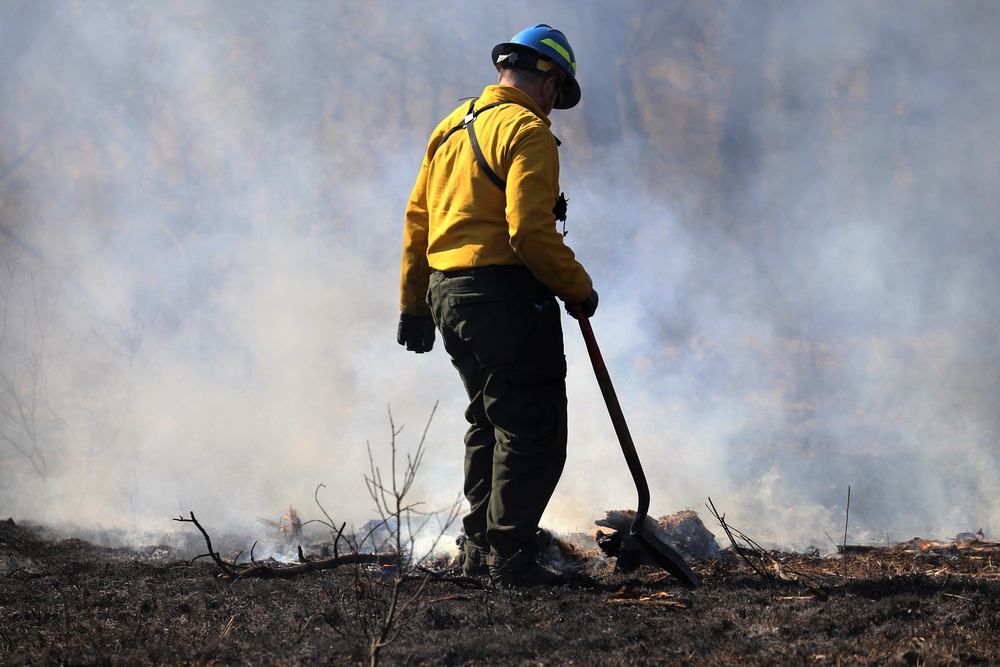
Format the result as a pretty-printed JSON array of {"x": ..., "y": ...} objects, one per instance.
[
  {"x": 6, "y": 639},
  {"x": 229, "y": 628},
  {"x": 226, "y": 568},
  {"x": 460, "y": 580},
  {"x": 732, "y": 540},
  {"x": 329, "y": 522},
  {"x": 782, "y": 570},
  {"x": 462, "y": 598},
  {"x": 847, "y": 520},
  {"x": 957, "y": 597}
]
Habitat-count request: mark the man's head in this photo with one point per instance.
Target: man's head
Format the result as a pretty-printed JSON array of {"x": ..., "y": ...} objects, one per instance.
[
  {"x": 542, "y": 87},
  {"x": 540, "y": 61}
]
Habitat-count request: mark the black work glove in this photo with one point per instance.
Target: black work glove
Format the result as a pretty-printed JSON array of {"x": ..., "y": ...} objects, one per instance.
[
  {"x": 416, "y": 332},
  {"x": 588, "y": 306}
]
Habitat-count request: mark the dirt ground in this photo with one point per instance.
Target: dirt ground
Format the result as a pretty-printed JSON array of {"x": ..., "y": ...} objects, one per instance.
[{"x": 71, "y": 601}]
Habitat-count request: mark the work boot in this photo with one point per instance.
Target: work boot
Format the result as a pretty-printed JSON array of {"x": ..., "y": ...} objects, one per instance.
[
  {"x": 523, "y": 573},
  {"x": 472, "y": 559}
]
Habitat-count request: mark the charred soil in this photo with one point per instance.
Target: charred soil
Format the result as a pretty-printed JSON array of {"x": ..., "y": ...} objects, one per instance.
[{"x": 71, "y": 601}]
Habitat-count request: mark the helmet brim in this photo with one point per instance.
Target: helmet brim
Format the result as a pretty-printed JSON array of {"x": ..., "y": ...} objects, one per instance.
[{"x": 570, "y": 95}]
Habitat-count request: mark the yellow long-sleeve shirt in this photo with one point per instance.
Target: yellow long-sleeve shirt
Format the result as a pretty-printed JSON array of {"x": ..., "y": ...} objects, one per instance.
[{"x": 457, "y": 218}]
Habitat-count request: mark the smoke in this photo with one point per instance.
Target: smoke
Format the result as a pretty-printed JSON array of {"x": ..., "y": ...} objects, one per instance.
[{"x": 786, "y": 207}]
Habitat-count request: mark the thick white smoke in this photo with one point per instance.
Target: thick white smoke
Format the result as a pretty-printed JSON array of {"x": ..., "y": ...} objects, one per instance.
[{"x": 787, "y": 209}]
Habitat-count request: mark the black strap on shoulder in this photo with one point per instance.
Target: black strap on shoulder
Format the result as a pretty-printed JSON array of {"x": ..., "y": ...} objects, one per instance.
[
  {"x": 467, "y": 123},
  {"x": 480, "y": 158},
  {"x": 457, "y": 127}
]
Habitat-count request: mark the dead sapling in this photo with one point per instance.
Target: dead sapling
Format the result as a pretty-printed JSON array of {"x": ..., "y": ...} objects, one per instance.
[
  {"x": 28, "y": 358},
  {"x": 384, "y": 607}
]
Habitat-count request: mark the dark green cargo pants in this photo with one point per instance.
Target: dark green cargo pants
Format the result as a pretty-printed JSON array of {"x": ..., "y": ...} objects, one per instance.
[{"x": 502, "y": 328}]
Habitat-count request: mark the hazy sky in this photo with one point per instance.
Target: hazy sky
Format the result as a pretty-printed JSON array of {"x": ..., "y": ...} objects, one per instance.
[{"x": 790, "y": 216}]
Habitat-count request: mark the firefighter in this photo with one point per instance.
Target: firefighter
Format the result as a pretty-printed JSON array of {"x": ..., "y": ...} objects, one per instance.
[{"x": 484, "y": 262}]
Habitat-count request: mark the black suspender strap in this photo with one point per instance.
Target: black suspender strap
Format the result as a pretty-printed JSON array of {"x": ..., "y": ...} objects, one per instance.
[
  {"x": 481, "y": 159},
  {"x": 457, "y": 127},
  {"x": 467, "y": 123}
]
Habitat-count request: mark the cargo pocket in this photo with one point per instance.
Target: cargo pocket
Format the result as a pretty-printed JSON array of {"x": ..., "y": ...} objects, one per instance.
[{"x": 479, "y": 318}]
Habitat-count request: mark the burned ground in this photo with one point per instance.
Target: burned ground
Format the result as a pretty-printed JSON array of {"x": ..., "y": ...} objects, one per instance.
[{"x": 71, "y": 601}]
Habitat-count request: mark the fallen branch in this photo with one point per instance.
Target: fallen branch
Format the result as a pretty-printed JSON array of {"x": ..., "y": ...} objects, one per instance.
[
  {"x": 466, "y": 598},
  {"x": 287, "y": 571},
  {"x": 234, "y": 571},
  {"x": 625, "y": 596},
  {"x": 457, "y": 579},
  {"x": 229, "y": 570}
]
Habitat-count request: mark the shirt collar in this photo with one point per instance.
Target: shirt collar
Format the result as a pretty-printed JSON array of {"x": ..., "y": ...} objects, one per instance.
[{"x": 509, "y": 93}]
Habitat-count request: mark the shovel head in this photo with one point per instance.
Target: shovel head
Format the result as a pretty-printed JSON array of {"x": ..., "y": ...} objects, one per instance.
[{"x": 664, "y": 556}]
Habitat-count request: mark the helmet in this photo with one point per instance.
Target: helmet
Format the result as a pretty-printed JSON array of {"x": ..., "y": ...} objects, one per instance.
[{"x": 546, "y": 41}]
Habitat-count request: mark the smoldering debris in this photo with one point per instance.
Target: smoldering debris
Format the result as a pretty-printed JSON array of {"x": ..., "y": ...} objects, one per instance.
[{"x": 683, "y": 531}]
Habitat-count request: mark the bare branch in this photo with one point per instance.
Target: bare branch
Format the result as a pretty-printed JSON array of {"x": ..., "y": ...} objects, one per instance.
[
  {"x": 232, "y": 571},
  {"x": 227, "y": 569}
]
